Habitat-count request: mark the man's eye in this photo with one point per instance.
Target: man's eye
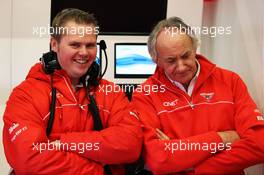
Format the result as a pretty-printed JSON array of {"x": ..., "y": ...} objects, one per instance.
[
  {"x": 170, "y": 61},
  {"x": 75, "y": 45},
  {"x": 90, "y": 45},
  {"x": 185, "y": 56}
]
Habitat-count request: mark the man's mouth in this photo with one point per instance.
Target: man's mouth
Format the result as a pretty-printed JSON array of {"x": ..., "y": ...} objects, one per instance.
[
  {"x": 181, "y": 74},
  {"x": 81, "y": 61}
]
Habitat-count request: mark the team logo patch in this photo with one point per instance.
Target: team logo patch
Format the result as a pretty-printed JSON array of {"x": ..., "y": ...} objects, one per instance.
[
  {"x": 172, "y": 103},
  {"x": 208, "y": 96}
]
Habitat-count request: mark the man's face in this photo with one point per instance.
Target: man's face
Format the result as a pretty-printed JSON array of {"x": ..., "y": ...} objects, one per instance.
[
  {"x": 76, "y": 52},
  {"x": 176, "y": 55}
]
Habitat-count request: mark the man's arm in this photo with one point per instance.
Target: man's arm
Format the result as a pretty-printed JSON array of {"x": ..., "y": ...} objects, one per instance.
[
  {"x": 120, "y": 142},
  {"x": 249, "y": 150},
  {"x": 25, "y": 143},
  {"x": 165, "y": 156}
]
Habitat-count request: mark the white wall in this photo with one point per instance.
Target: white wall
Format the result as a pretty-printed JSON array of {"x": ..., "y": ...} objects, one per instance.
[
  {"x": 5, "y": 49},
  {"x": 5, "y": 68},
  {"x": 4, "y": 167},
  {"x": 190, "y": 11},
  {"x": 27, "y": 48},
  {"x": 19, "y": 48}
]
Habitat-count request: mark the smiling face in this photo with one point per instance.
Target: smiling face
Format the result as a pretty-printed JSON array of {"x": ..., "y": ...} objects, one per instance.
[
  {"x": 176, "y": 55},
  {"x": 76, "y": 52}
]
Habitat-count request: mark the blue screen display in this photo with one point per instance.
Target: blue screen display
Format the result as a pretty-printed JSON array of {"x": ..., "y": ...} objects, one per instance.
[{"x": 133, "y": 59}]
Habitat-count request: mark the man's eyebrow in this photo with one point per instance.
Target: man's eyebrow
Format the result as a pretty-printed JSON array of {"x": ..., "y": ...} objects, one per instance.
[
  {"x": 169, "y": 58},
  {"x": 173, "y": 57},
  {"x": 85, "y": 43},
  {"x": 186, "y": 52},
  {"x": 74, "y": 42}
]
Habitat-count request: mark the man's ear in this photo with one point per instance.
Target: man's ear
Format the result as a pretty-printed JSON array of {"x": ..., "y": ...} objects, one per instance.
[
  {"x": 54, "y": 44},
  {"x": 155, "y": 59}
]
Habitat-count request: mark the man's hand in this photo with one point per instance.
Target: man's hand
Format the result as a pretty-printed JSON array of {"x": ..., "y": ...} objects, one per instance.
[
  {"x": 161, "y": 135},
  {"x": 228, "y": 136}
]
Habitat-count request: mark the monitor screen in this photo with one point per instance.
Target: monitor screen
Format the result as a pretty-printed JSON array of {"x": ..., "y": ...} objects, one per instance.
[{"x": 132, "y": 60}]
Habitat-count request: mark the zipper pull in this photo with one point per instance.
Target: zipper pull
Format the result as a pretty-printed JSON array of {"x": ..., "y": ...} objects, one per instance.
[
  {"x": 81, "y": 106},
  {"x": 192, "y": 105}
]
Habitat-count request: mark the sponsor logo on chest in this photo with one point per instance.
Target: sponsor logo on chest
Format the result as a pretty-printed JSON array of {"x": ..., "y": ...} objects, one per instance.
[
  {"x": 207, "y": 96},
  {"x": 172, "y": 103}
]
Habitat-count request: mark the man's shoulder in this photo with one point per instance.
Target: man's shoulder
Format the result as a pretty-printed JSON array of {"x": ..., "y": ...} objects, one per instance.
[
  {"x": 152, "y": 80},
  {"x": 151, "y": 86},
  {"x": 225, "y": 73},
  {"x": 225, "y": 76},
  {"x": 106, "y": 82},
  {"x": 31, "y": 88}
]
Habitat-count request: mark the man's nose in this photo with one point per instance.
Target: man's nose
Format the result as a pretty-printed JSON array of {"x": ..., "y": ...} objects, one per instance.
[
  {"x": 83, "y": 51},
  {"x": 180, "y": 66}
]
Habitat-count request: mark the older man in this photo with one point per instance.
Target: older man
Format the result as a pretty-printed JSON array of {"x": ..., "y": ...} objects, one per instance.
[{"x": 205, "y": 121}]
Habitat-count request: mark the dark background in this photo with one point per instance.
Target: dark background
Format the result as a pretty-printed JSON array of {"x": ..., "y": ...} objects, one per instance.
[{"x": 118, "y": 17}]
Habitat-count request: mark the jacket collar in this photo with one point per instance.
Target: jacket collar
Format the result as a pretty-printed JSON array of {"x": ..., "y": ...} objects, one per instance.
[
  {"x": 61, "y": 81},
  {"x": 206, "y": 69}
]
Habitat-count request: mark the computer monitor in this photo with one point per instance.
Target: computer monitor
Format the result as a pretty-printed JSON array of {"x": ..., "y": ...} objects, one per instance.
[
  {"x": 132, "y": 60},
  {"x": 119, "y": 17}
]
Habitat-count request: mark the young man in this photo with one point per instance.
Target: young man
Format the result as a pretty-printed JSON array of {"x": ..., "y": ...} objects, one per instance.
[
  {"x": 199, "y": 118},
  {"x": 71, "y": 146}
]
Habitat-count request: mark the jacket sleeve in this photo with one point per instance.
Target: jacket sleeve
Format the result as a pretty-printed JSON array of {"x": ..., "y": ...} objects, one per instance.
[
  {"x": 120, "y": 142},
  {"x": 27, "y": 148},
  {"x": 167, "y": 156},
  {"x": 249, "y": 124}
]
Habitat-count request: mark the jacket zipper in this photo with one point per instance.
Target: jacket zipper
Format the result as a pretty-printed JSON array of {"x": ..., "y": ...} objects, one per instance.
[{"x": 190, "y": 103}]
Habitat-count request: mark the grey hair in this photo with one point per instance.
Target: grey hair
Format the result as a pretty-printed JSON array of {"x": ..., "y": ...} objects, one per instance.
[{"x": 174, "y": 23}]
